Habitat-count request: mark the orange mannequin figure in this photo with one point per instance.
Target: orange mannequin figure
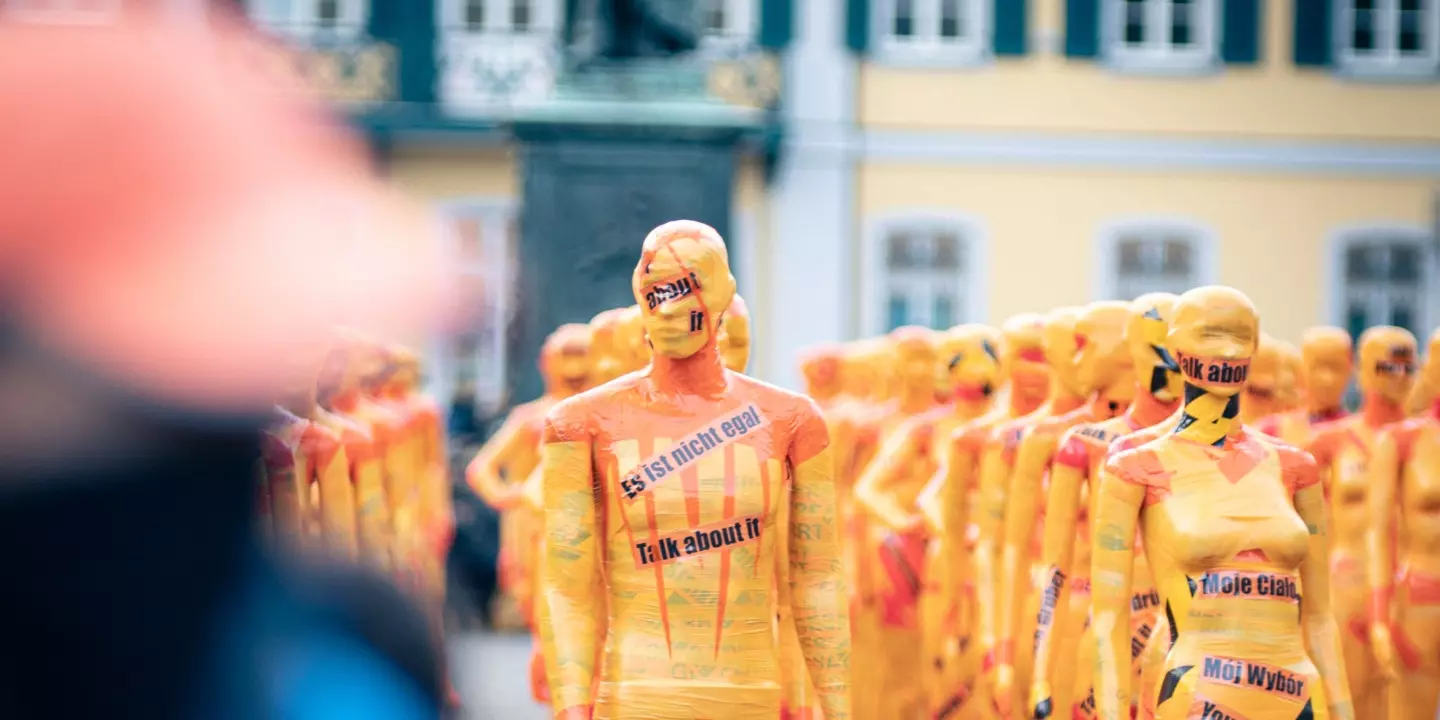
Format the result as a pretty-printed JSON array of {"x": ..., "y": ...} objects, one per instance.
[
  {"x": 1342, "y": 449},
  {"x": 1233, "y": 526},
  {"x": 432, "y": 498},
  {"x": 1095, "y": 366},
  {"x": 630, "y": 342},
  {"x": 1422, "y": 400},
  {"x": 1060, "y": 686},
  {"x": 947, "y": 504},
  {"x": 662, "y": 491},
  {"x": 365, "y": 443},
  {"x": 734, "y": 336},
  {"x": 402, "y": 455},
  {"x": 1263, "y": 389},
  {"x": 606, "y": 364},
  {"x": 824, "y": 383},
  {"x": 1325, "y": 355},
  {"x": 889, "y": 491},
  {"x": 886, "y": 492},
  {"x": 1293, "y": 392},
  {"x": 498, "y": 471},
  {"x": 1402, "y": 543}
]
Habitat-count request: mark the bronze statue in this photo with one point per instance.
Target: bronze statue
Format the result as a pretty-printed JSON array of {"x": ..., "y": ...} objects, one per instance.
[{"x": 631, "y": 29}]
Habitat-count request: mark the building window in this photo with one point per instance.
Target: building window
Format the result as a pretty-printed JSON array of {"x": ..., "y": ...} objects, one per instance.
[
  {"x": 480, "y": 241},
  {"x": 1162, "y": 35},
  {"x": 1383, "y": 278},
  {"x": 925, "y": 269},
  {"x": 1399, "y": 37},
  {"x": 931, "y": 31},
  {"x": 1135, "y": 258},
  {"x": 499, "y": 16},
  {"x": 728, "y": 25},
  {"x": 310, "y": 18}
]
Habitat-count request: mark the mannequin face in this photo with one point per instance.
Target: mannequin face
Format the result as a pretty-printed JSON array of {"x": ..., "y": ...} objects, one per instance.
[
  {"x": 1325, "y": 354},
  {"x": 1387, "y": 363},
  {"x": 1102, "y": 363},
  {"x": 565, "y": 359},
  {"x": 1061, "y": 347},
  {"x": 1214, "y": 336},
  {"x": 970, "y": 361},
  {"x": 1152, "y": 363},
  {"x": 822, "y": 371},
  {"x": 914, "y": 357},
  {"x": 682, "y": 285},
  {"x": 735, "y": 336},
  {"x": 1262, "y": 391},
  {"x": 1022, "y": 355}
]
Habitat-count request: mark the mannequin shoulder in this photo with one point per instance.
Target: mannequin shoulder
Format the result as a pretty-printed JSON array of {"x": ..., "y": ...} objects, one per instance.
[
  {"x": 1141, "y": 465},
  {"x": 1298, "y": 469},
  {"x": 776, "y": 403},
  {"x": 1082, "y": 442}
]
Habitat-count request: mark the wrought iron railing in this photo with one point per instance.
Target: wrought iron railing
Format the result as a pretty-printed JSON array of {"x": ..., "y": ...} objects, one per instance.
[{"x": 341, "y": 65}]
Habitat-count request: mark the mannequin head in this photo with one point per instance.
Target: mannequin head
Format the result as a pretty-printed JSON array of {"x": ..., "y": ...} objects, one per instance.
[
  {"x": 913, "y": 358},
  {"x": 404, "y": 368},
  {"x": 1262, "y": 388},
  {"x": 735, "y": 336},
  {"x": 1102, "y": 361},
  {"x": 1022, "y": 357},
  {"x": 860, "y": 368},
  {"x": 565, "y": 360},
  {"x": 1154, "y": 366},
  {"x": 969, "y": 358},
  {"x": 683, "y": 287},
  {"x": 1430, "y": 371},
  {"x": 1387, "y": 364},
  {"x": 1061, "y": 348},
  {"x": 821, "y": 369},
  {"x": 632, "y": 349},
  {"x": 605, "y": 363},
  {"x": 1325, "y": 354},
  {"x": 1292, "y": 381},
  {"x": 1214, "y": 335}
]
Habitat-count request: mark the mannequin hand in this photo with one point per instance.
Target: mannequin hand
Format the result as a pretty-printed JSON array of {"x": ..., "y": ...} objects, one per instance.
[
  {"x": 1041, "y": 700},
  {"x": 1382, "y": 647}
]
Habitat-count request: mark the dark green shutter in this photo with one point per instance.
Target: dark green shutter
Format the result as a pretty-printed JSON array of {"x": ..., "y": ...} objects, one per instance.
[
  {"x": 1313, "y": 23},
  {"x": 857, "y": 24},
  {"x": 1011, "y": 21},
  {"x": 1082, "y": 28},
  {"x": 777, "y": 23},
  {"x": 1241, "y": 32}
]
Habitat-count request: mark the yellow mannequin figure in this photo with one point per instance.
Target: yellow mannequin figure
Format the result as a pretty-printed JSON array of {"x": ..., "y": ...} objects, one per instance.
[
  {"x": 1095, "y": 367},
  {"x": 1326, "y": 367},
  {"x": 824, "y": 383},
  {"x": 1060, "y": 687},
  {"x": 1342, "y": 450},
  {"x": 402, "y": 459},
  {"x": 1263, "y": 389},
  {"x": 1292, "y": 377},
  {"x": 734, "y": 337},
  {"x": 365, "y": 434},
  {"x": 1422, "y": 397},
  {"x": 498, "y": 471},
  {"x": 1233, "y": 526},
  {"x": 606, "y": 362},
  {"x": 630, "y": 342},
  {"x": 663, "y": 488},
  {"x": 947, "y": 504},
  {"x": 1402, "y": 542},
  {"x": 889, "y": 491},
  {"x": 894, "y": 544},
  {"x": 432, "y": 502}
]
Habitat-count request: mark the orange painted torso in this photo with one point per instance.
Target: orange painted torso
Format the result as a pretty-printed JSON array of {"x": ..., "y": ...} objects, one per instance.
[
  {"x": 1225, "y": 545},
  {"x": 691, "y": 490},
  {"x": 1343, "y": 449}
]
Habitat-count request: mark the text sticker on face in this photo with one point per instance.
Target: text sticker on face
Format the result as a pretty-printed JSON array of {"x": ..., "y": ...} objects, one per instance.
[
  {"x": 1215, "y": 371},
  {"x": 1401, "y": 361},
  {"x": 672, "y": 288}
]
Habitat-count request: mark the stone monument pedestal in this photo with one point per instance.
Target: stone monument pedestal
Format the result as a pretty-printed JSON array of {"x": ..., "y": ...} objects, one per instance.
[{"x": 618, "y": 150}]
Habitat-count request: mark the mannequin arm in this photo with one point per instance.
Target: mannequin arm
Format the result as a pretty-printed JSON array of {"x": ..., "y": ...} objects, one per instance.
[
  {"x": 1111, "y": 570},
  {"x": 1385, "y": 466},
  {"x": 569, "y": 569},
  {"x": 1021, "y": 508},
  {"x": 943, "y": 502},
  {"x": 1062, "y": 510},
  {"x": 817, "y": 593},
  {"x": 994, "y": 477},
  {"x": 873, "y": 491},
  {"x": 484, "y": 472},
  {"x": 1322, "y": 634}
]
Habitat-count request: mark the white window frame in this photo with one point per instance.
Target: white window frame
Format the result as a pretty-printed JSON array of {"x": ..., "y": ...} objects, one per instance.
[
  {"x": 1427, "y": 310},
  {"x": 1158, "y": 56},
  {"x": 59, "y": 12},
  {"x": 1386, "y": 61},
  {"x": 495, "y": 215},
  {"x": 544, "y": 18},
  {"x": 926, "y": 48},
  {"x": 1204, "y": 251},
  {"x": 299, "y": 20},
  {"x": 973, "y": 280}
]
